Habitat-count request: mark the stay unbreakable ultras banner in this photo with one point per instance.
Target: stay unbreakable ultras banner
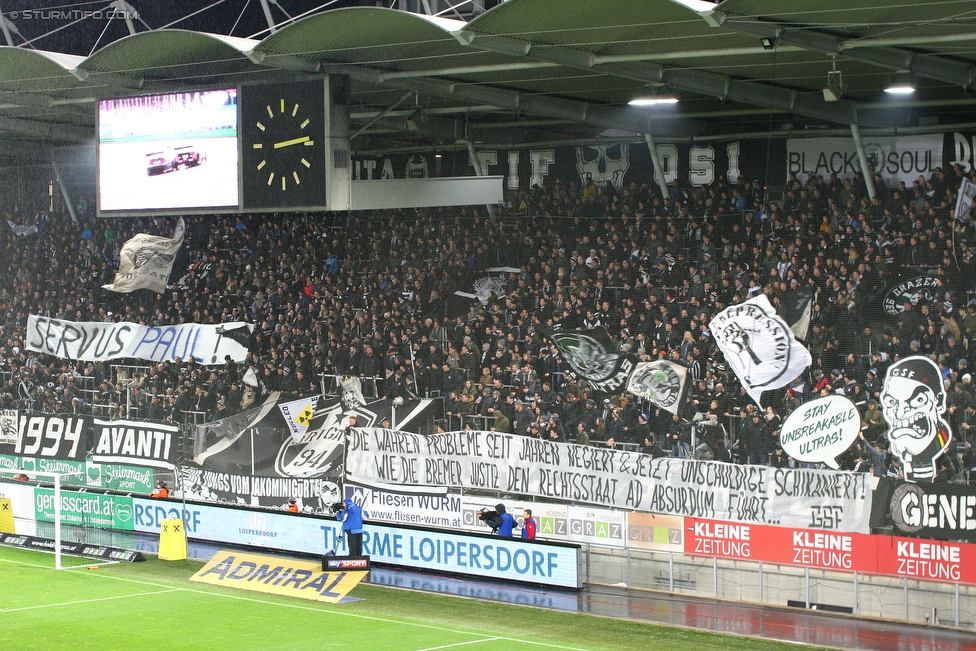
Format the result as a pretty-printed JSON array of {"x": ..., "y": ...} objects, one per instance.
[
  {"x": 522, "y": 466},
  {"x": 253, "y": 458}
]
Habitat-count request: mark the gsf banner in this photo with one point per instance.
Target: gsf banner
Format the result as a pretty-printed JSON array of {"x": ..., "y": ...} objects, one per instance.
[
  {"x": 95, "y": 341},
  {"x": 613, "y": 478},
  {"x": 903, "y": 158}
]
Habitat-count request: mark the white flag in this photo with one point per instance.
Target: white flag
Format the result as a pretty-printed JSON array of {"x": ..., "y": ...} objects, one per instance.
[
  {"x": 146, "y": 261},
  {"x": 661, "y": 382},
  {"x": 22, "y": 230},
  {"x": 759, "y": 346},
  {"x": 964, "y": 203}
]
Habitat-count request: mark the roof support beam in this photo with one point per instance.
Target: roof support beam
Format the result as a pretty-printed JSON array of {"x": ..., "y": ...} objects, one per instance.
[
  {"x": 923, "y": 65},
  {"x": 626, "y": 118},
  {"x": 46, "y": 130},
  {"x": 699, "y": 81}
]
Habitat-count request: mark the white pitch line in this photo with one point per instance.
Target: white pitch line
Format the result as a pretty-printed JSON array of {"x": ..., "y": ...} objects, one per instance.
[
  {"x": 457, "y": 644},
  {"x": 88, "y": 601},
  {"x": 373, "y": 618}
]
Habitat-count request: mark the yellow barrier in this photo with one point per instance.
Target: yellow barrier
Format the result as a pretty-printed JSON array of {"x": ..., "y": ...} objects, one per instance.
[
  {"x": 172, "y": 541},
  {"x": 6, "y": 516}
]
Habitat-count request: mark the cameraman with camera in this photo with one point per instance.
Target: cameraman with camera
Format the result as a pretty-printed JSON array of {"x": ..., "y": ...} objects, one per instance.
[
  {"x": 351, "y": 516},
  {"x": 500, "y": 521}
]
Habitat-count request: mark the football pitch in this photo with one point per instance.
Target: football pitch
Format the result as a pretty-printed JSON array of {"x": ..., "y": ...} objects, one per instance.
[{"x": 153, "y": 606}]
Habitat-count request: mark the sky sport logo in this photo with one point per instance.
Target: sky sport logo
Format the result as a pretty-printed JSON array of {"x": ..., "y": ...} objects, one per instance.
[{"x": 73, "y": 14}]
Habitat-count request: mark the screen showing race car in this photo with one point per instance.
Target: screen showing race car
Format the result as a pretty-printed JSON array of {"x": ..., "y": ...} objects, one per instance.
[{"x": 172, "y": 152}]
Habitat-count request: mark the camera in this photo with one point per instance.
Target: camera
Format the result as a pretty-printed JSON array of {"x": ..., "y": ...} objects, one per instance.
[
  {"x": 336, "y": 507},
  {"x": 489, "y": 518}
]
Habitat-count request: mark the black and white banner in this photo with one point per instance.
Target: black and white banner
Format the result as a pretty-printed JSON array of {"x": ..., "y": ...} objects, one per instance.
[
  {"x": 661, "y": 382},
  {"x": 591, "y": 358},
  {"x": 895, "y": 158},
  {"x": 8, "y": 426},
  {"x": 941, "y": 511},
  {"x": 543, "y": 470},
  {"x": 90, "y": 341},
  {"x": 964, "y": 203},
  {"x": 67, "y": 438},
  {"x": 146, "y": 261},
  {"x": 759, "y": 346},
  {"x": 910, "y": 289},
  {"x": 140, "y": 443},
  {"x": 796, "y": 308},
  {"x": 253, "y": 458}
]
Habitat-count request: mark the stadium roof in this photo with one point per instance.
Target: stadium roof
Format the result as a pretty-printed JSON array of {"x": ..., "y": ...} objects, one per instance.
[{"x": 544, "y": 71}]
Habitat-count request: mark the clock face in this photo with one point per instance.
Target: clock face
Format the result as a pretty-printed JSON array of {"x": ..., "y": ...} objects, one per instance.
[{"x": 283, "y": 135}]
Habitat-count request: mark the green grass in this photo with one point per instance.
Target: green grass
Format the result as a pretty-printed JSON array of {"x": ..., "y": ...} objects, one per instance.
[{"x": 153, "y": 606}]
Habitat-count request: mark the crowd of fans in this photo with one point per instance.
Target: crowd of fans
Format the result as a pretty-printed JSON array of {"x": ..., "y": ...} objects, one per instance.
[{"x": 372, "y": 295}]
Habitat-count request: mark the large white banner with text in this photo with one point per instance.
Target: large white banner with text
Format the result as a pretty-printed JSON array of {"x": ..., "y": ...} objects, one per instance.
[
  {"x": 92, "y": 341},
  {"x": 618, "y": 479}
]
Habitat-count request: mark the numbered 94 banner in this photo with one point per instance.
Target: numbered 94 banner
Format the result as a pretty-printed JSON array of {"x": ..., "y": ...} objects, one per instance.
[{"x": 616, "y": 479}]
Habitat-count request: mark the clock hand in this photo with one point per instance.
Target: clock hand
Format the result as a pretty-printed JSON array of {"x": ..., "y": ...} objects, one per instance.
[{"x": 293, "y": 141}]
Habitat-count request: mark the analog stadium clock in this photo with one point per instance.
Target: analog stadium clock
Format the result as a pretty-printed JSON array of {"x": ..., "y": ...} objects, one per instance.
[{"x": 283, "y": 145}]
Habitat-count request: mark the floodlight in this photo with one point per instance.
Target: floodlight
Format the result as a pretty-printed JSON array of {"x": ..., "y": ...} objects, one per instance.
[{"x": 901, "y": 84}]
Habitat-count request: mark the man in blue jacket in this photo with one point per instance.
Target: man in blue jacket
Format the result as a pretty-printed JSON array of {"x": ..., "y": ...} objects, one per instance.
[
  {"x": 351, "y": 516},
  {"x": 503, "y": 522}
]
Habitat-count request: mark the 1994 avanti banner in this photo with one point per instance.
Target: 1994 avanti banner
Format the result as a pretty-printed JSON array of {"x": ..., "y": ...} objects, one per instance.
[
  {"x": 95, "y": 341},
  {"x": 519, "y": 465}
]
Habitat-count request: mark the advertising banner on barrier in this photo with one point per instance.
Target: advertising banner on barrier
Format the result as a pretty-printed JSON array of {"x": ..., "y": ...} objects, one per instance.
[
  {"x": 781, "y": 545},
  {"x": 659, "y": 533},
  {"x": 848, "y": 552},
  {"x": 51, "y": 437},
  {"x": 110, "y": 476},
  {"x": 98, "y": 342},
  {"x": 88, "y": 509},
  {"x": 597, "y": 526},
  {"x": 618, "y": 479},
  {"x": 486, "y": 556},
  {"x": 422, "y": 509},
  {"x": 135, "y": 442}
]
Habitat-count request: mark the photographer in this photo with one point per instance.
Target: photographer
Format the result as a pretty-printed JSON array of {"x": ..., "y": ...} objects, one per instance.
[
  {"x": 351, "y": 516},
  {"x": 499, "y": 520}
]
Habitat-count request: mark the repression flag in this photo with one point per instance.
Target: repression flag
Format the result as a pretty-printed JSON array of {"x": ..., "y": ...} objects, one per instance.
[
  {"x": 146, "y": 261},
  {"x": 759, "y": 346}
]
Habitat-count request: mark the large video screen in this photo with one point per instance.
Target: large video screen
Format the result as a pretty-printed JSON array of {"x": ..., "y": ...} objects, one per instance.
[{"x": 168, "y": 152}]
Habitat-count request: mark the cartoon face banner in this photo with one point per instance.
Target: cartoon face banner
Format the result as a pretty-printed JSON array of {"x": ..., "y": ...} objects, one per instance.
[
  {"x": 913, "y": 400},
  {"x": 759, "y": 346}
]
